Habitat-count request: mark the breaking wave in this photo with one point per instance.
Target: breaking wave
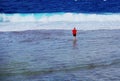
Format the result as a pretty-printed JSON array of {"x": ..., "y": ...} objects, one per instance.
[
  {"x": 52, "y": 17},
  {"x": 21, "y": 22}
]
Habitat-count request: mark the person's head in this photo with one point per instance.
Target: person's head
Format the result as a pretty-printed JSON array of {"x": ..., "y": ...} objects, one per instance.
[{"x": 74, "y": 28}]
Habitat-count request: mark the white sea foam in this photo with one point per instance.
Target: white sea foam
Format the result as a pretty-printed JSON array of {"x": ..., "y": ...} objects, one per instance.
[
  {"x": 20, "y": 22},
  {"x": 90, "y": 25},
  {"x": 52, "y": 17}
]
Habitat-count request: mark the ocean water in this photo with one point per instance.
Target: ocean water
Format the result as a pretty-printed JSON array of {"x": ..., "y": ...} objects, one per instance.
[
  {"x": 50, "y": 6},
  {"x": 61, "y": 20},
  {"x": 36, "y": 43},
  {"x": 53, "y": 55}
]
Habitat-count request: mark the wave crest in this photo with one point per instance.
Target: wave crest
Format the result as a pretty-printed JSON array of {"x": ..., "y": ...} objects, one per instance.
[{"x": 52, "y": 17}]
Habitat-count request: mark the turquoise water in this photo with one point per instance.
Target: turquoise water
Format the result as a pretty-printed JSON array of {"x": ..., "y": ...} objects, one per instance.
[{"x": 53, "y": 55}]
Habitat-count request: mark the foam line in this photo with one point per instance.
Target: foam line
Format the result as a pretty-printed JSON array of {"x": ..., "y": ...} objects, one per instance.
[{"x": 52, "y": 17}]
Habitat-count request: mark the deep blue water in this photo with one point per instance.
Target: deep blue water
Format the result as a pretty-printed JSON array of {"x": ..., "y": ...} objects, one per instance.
[{"x": 48, "y": 6}]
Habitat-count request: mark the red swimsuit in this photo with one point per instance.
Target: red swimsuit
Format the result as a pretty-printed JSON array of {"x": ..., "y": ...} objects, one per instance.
[{"x": 74, "y": 32}]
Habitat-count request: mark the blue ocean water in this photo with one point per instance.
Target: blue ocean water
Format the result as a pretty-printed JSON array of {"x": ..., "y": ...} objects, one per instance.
[
  {"x": 100, "y": 12},
  {"x": 49, "y": 6},
  {"x": 53, "y": 55},
  {"x": 47, "y": 51}
]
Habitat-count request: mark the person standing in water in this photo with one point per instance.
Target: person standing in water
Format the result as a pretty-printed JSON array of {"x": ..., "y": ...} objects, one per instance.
[{"x": 74, "y": 32}]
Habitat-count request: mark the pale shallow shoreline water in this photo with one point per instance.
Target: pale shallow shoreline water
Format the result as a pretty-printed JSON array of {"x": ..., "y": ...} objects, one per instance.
[{"x": 53, "y": 55}]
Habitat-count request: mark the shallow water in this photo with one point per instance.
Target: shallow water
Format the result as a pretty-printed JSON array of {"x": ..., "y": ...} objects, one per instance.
[{"x": 53, "y": 55}]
